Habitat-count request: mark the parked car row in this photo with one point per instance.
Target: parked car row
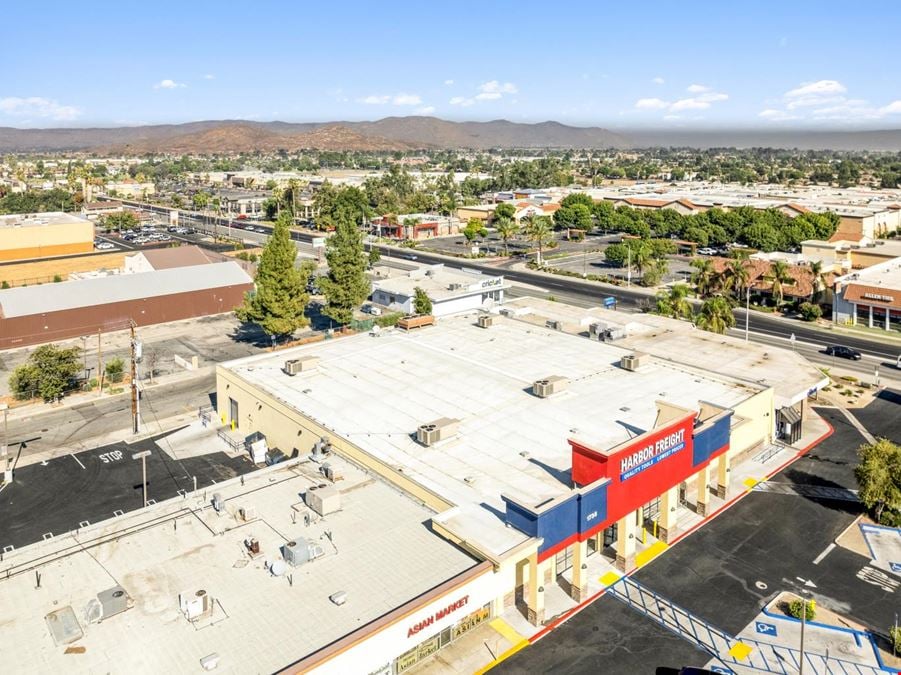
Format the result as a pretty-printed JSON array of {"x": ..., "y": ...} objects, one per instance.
[{"x": 146, "y": 237}]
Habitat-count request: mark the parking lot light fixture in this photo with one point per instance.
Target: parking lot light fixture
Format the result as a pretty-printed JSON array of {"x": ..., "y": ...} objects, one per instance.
[{"x": 143, "y": 457}]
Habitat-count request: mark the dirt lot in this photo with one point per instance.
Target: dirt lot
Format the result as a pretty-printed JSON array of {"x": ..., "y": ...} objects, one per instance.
[{"x": 43, "y": 271}]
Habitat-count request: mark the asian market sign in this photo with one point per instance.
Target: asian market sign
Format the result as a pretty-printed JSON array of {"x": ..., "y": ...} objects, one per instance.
[{"x": 649, "y": 455}]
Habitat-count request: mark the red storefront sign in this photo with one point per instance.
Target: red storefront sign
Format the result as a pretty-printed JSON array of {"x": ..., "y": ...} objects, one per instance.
[{"x": 437, "y": 616}]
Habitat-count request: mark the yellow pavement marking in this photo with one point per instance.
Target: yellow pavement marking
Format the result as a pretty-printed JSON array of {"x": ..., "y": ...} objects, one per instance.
[
  {"x": 610, "y": 578},
  {"x": 650, "y": 553},
  {"x": 506, "y": 630},
  {"x": 503, "y": 657},
  {"x": 751, "y": 482},
  {"x": 740, "y": 651}
]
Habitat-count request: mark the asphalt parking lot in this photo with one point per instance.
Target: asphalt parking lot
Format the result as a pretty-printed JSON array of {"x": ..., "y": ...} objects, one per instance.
[
  {"x": 93, "y": 485},
  {"x": 727, "y": 570}
]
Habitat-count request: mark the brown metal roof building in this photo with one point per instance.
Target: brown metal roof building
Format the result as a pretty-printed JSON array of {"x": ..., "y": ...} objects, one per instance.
[{"x": 35, "y": 314}]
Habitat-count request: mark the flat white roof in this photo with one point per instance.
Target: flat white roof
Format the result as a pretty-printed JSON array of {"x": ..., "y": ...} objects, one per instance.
[
  {"x": 28, "y": 300},
  {"x": 885, "y": 275},
  {"x": 789, "y": 374},
  {"x": 380, "y": 553},
  {"x": 376, "y": 391},
  {"x": 41, "y": 219},
  {"x": 439, "y": 282}
]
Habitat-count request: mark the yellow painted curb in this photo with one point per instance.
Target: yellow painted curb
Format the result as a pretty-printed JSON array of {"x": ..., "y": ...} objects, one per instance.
[
  {"x": 503, "y": 657},
  {"x": 740, "y": 651},
  {"x": 750, "y": 482},
  {"x": 650, "y": 553},
  {"x": 507, "y": 631},
  {"x": 610, "y": 578}
]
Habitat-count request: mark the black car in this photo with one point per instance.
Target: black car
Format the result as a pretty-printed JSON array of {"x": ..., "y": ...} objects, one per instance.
[{"x": 843, "y": 352}]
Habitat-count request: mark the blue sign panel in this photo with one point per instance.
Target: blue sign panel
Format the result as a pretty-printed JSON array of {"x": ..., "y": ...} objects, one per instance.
[
  {"x": 593, "y": 508},
  {"x": 765, "y": 628},
  {"x": 710, "y": 440},
  {"x": 896, "y": 567},
  {"x": 721, "y": 669},
  {"x": 609, "y": 302}
]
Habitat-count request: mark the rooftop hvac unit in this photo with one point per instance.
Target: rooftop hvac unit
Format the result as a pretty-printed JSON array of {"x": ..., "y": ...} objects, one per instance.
[
  {"x": 554, "y": 324},
  {"x": 485, "y": 320},
  {"x": 194, "y": 604},
  {"x": 338, "y": 598},
  {"x": 633, "y": 361},
  {"x": 596, "y": 330},
  {"x": 247, "y": 513},
  {"x": 439, "y": 430},
  {"x": 112, "y": 601},
  {"x": 323, "y": 499},
  {"x": 455, "y": 287},
  {"x": 549, "y": 386},
  {"x": 321, "y": 448},
  {"x": 300, "y": 365},
  {"x": 301, "y": 551},
  {"x": 256, "y": 447},
  {"x": 218, "y": 504}
]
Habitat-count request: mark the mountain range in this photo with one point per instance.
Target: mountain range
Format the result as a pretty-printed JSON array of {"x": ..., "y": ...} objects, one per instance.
[{"x": 411, "y": 133}]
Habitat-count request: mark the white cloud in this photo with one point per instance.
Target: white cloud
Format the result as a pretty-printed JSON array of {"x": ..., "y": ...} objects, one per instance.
[
  {"x": 495, "y": 87},
  {"x": 37, "y": 106},
  {"x": 372, "y": 99},
  {"x": 448, "y": 82},
  {"x": 818, "y": 88},
  {"x": 406, "y": 99},
  {"x": 425, "y": 110},
  {"x": 395, "y": 99},
  {"x": 209, "y": 76},
  {"x": 651, "y": 104},
  {"x": 658, "y": 80},
  {"x": 697, "y": 89},
  {"x": 689, "y": 104},
  {"x": 169, "y": 84},
  {"x": 892, "y": 108},
  {"x": 488, "y": 91}
]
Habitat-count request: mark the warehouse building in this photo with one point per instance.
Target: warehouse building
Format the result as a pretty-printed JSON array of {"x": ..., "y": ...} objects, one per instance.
[
  {"x": 44, "y": 235},
  {"x": 35, "y": 314},
  {"x": 541, "y": 452}
]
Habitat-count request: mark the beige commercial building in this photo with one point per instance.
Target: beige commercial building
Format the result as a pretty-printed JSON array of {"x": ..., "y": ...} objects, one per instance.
[{"x": 44, "y": 235}]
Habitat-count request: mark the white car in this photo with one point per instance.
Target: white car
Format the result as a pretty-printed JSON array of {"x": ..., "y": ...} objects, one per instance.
[
  {"x": 104, "y": 246},
  {"x": 706, "y": 251}
]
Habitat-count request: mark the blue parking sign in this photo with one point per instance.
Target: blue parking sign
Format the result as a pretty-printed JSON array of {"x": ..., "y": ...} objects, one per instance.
[
  {"x": 723, "y": 670},
  {"x": 896, "y": 567},
  {"x": 766, "y": 628},
  {"x": 609, "y": 302}
]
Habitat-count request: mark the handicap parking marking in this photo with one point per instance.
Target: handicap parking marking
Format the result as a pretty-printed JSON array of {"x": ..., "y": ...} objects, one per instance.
[
  {"x": 896, "y": 566},
  {"x": 766, "y": 628},
  {"x": 721, "y": 669}
]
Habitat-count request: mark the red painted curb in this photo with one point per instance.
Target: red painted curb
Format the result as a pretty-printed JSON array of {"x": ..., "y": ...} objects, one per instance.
[{"x": 575, "y": 610}]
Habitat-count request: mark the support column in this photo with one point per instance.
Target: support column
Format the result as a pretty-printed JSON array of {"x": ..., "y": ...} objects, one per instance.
[
  {"x": 625, "y": 541},
  {"x": 722, "y": 475},
  {"x": 535, "y": 595},
  {"x": 578, "y": 589},
  {"x": 666, "y": 525},
  {"x": 703, "y": 477}
]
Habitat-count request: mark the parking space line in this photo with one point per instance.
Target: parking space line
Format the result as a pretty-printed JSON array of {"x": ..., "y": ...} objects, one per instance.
[
  {"x": 72, "y": 455},
  {"x": 826, "y": 551}
]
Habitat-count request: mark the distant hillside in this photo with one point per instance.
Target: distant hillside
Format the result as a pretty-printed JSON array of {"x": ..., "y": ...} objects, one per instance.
[
  {"x": 888, "y": 140},
  {"x": 392, "y": 133},
  {"x": 241, "y": 137}
]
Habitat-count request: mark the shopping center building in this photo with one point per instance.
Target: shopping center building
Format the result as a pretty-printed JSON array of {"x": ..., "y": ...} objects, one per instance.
[
  {"x": 870, "y": 297},
  {"x": 536, "y": 449}
]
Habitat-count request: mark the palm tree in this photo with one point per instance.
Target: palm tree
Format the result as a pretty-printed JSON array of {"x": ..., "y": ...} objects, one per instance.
[
  {"x": 716, "y": 315},
  {"x": 506, "y": 230},
  {"x": 819, "y": 279},
  {"x": 674, "y": 302},
  {"x": 704, "y": 277},
  {"x": 735, "y": 277},
  {"x": 778, "y": 277},
  {"x": 539, "y": 230}
]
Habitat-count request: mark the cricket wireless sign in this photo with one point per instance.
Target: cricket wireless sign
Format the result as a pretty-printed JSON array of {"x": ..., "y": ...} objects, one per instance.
[
  {"x": 648, "y": 456},
  {"x": 437, "y": 616}
]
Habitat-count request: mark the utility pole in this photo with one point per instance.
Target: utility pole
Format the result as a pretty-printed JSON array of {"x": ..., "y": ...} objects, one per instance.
[
  {"x": 747, "y": 311},
  {"x": 135, "y": 356},
  {"x": 629, "y": 266},
  {"x": 143, "y": 457},
  {"x": 803, "y": 624}
]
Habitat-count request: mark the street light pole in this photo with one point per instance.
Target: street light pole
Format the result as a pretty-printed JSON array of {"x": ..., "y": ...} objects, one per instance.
[
  {"x": 747, "y": 311},
  {"x": 143, "y": 457},
  {"x": 803, "y": 624},
  {"x": 4, "y": 449}
]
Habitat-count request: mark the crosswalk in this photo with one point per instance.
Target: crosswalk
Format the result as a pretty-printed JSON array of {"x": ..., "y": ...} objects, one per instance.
[
  {"x": 730, "y": 653},
  {"x": 812, "y": 491}
]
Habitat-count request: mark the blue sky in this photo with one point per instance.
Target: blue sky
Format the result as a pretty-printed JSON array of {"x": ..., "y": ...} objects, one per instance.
[{"x": 826, "y": 64}]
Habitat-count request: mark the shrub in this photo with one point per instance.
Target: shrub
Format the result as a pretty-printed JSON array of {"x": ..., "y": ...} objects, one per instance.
[
  {"x": 4, "y": 285},
  {"x": 849, "y": 378},
  {"x": 895, "y": 636},
  {"x": 797, "y": 606},
  {"x": 115, "y": 370},
  {"x": 57, "y": 278},
  {"x": 810, "y": 311},
  {"x": 388, "y": 320}
]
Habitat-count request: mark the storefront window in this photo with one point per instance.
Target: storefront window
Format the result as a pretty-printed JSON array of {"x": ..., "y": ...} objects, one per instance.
[
  {"x": 895, "y": 319},
  {"x": 425, "y": 649},
  {"x": 863, "y": 315}
]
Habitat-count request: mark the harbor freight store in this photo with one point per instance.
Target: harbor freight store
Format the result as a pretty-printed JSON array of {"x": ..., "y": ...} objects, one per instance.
[{"x": 549, "y": 456}]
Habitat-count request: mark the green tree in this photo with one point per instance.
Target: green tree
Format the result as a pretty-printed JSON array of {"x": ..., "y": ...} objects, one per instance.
[
  {"x": 374, "y": 256},
  {"x": 778, "y": 277},
  {"x": 123, "y": 220},
  {"x": 201, "y": 200},
  {"x": 736, "y": 277},
  {"x": 278, "y": 302},
  {"x": 504, "y": 210},
  {"x": 474, "y": 228},
  {"x": 422, "y": 304},
  {"x": 576, "y": 216},
  {"x": 616, "y": 254},
  {"x": 115, "y": 370},
  {"x": 674, "y": 302},
  {"x": 704, "y": 277},
  {"x": 346, "y": 286},
  {"x": 878, "y": 476},
  {"x": 540, "y": 232},
  {"x": 716, "y": 315},
  {"x": 506, "y": 230},
  {"x": 48, "y": 373}
]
